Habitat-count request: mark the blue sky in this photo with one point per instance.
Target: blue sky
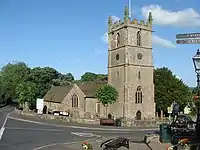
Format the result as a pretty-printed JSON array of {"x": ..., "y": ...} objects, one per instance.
[{"x": 69, "y": 35}]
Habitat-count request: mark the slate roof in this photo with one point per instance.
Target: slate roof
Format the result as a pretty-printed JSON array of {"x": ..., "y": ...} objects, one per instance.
[
  {"x": 89, "y": 89},
  {"x": 58, "y": 93}
]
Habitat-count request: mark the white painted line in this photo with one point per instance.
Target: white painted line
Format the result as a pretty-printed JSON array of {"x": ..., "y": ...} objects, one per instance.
[
  {"x": 79, "y": 127},
  {"x": 83, "y": 134},
  {"x": 33, "y": 129},
  {"x": 1, "y": 132},
  {"x": 3, "y": 126},
  {"x": 68, "y": 143}
]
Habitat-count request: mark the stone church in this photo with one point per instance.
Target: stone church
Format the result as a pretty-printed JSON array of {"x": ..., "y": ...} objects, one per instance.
[{"x": 130, "y": 71}]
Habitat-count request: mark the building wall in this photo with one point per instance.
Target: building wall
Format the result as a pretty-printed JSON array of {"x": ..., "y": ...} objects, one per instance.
[
  {"x": 52, "y": 106},
  {"x": 87, "y": 107}
]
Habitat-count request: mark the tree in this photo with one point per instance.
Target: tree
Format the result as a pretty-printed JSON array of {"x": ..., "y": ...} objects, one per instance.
[
  {"x": 13, "y": 74},
  {"x": 102, "y": 77},
  {"x": 27, "y": 93},
  {"x": 107, "y": 95},
  {"x": 43, "y": 78},
  {"x": 63, "y": 80},
  {"x": 89, "y": 76},
  {"x": 169, "y": 88}
]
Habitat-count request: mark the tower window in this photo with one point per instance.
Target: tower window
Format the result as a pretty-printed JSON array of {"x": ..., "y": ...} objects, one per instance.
[
  {"x": 117, "y": 75},
  {"x": 117, "y": 57},
  {"x": 118, "y": 39},
  {"x": 138, "y": 38},
  {"x": 138, "y": 95},
  {"x": 139, "y": 75}
]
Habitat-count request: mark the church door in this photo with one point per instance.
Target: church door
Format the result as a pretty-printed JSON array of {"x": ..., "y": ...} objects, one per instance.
[
  {"x": 45, "y": 109},
  {"x": 138, "y": 115}
]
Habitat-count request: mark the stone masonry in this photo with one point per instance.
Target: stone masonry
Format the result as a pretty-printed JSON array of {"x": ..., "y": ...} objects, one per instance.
[{"x": 130, "y": 67}]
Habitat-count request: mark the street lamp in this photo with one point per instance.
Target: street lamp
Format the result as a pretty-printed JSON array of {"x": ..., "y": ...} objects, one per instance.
[{"x": 196, "y": 60}]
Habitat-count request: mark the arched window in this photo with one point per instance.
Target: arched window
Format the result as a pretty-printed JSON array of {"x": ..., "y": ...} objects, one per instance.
[
  {"x": 138, "y": 95},
  {"x": 98, "y": 107},
  {"x": 118, "y": 39},
  {"x": 74, "y": 100},
  {"x": 138, "y": 38}
]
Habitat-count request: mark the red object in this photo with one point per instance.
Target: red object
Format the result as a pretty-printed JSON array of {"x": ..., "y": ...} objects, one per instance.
[
  {"x": 85, "y": 143},
  {"x": 196, "y": 97}
]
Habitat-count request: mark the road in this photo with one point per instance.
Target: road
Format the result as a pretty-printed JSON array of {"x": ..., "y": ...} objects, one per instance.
[{"x": 28, "y": 134}]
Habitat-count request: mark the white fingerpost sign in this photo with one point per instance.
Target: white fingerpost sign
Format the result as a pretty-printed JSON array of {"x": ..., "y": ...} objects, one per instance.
[{"x": 40, "y": 105}]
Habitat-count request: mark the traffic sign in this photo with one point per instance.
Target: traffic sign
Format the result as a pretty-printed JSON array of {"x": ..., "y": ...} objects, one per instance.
[
  {"x": 188, "y": 35},
  {"x": 188, "y": 41}
]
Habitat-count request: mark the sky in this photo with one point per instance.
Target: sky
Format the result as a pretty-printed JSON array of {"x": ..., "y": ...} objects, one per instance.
[{"x": 70, "y": 36}]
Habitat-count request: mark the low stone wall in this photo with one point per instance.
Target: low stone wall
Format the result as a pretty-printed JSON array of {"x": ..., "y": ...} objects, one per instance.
[
  {"x": 61, "y": 118},
  {"x": 143, "y": 123},
  {"x": 125, "y": 123}
]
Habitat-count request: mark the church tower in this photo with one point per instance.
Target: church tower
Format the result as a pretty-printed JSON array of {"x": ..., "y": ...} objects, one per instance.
[{"x": 130, "y": 67}]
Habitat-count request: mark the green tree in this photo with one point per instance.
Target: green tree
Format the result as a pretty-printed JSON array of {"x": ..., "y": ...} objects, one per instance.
[
  {"x": 13, "y": 74},
  {"x": 63, "y": 80},
  {"x": 107, "y": 95},
  {"x": 169, "y": 88},
  {"x": 102, "y": 77},
  {"x": 43, "y": 78},
  {"x": 89, "y": 76},
  {"x": 27, "y": 93}
]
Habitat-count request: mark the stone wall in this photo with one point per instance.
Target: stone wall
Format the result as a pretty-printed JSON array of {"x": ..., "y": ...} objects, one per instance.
[{"x": 125, "y": 123}]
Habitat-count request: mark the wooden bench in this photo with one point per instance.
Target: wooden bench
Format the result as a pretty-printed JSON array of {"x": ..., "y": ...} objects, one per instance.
[{"x": 107, "y": 121}]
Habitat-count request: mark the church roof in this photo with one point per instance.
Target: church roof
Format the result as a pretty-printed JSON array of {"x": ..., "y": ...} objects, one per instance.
[
  {"x": 89, "y": 89},
  {"x": 58, "y": 93}
]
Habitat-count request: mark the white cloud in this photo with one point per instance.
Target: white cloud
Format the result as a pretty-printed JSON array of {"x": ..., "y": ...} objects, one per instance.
[
  {"x": 104, "y": 38},
  {"x": 115, "y": 18},
  {"x": 155, "y": 39},
  {"x": 162, "y": 42},
  {"x": 183, "y": 18}
]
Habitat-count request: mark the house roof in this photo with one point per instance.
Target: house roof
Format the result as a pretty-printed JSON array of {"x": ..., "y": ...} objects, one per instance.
[
  {"x": 57, "y": 93},
  {"x": 89, "y": 89}
]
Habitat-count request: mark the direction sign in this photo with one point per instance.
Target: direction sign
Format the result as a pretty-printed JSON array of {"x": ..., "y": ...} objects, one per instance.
[
  {"x": 188, "y": 41},
  {"x": 188, "y": 35}
]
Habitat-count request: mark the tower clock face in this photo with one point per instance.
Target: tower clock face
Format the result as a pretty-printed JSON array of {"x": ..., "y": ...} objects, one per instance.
[{"x": 139, "y": 56}]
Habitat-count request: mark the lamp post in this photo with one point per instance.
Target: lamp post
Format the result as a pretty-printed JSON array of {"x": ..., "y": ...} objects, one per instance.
[{"x": 196, "y": 61}]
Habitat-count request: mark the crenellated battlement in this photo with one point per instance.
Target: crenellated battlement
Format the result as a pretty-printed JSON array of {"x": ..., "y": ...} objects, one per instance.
[{"x": 128, "y": 22}]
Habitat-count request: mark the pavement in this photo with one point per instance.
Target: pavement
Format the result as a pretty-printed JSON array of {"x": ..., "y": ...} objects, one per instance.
[{"x": 28, "y": 133}]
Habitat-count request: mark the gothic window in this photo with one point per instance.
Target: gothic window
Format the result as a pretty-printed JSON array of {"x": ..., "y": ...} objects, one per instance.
[
  {"x": 74, "y": 100},
  {"x": 118, "y": 39},
  {"x": 138, "y": 95},
  {"x": 138, "y": 38},
  {"x": 139, "y": 75},
  {"x": 98, "y": 107}
]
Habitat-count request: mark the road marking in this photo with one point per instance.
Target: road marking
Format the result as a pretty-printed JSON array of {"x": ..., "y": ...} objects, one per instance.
[
  {"x": 68, "y": 143},
  {"x": 79, "y": 127},
  {"x": 3, "y": 126},
  {"x": 85, "y": 134},
  {"x": 33, "y": 129}
]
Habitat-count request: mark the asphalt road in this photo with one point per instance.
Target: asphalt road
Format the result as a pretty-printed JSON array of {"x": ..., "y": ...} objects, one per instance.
[{"x": 21, "y": 134}]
